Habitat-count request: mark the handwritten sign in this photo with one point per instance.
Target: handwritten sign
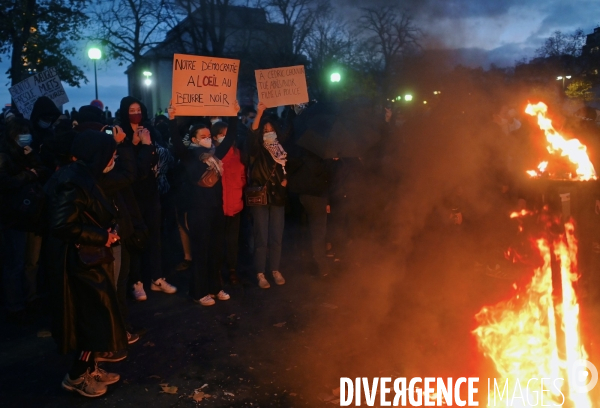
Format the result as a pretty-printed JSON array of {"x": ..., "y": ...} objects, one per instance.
[
  {"x": 281, "y": 86},
  {"x": 204, "y": 86},
  {"x": 46, "y": 83}
]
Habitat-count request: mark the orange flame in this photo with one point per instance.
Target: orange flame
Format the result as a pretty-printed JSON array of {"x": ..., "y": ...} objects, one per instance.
[
  {"x": 520, "y": 335},
  {"x": 573, "y": 149}
]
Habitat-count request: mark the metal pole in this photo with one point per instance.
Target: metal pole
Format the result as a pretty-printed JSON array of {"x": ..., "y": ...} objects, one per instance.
[{"x": 96, "y": 79}]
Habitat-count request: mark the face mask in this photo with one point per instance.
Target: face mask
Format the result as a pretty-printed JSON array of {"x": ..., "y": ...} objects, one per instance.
[
  {"x": 213, "y": 121},
  {"x": 269, "y": 136},
  {"x": 205, "y": 143},
  {"x": 25, "y": 140},
  {"x": 43, "y": 124},
  {"x": 109, "y": 167},
  {"x": 135, "y": 118},
  {"x": 220, "y": 139}
]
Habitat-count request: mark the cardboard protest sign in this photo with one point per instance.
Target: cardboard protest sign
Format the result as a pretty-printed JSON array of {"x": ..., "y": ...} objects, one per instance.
[
  {"x": 204, "y": 86},
  {"x": 281, "y": 86},
  {"x": 46, "y": 83}
]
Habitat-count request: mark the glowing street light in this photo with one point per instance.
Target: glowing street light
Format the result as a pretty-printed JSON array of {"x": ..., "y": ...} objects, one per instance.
[
  {"x": 335, "y": 77},
  {"x": 558, "y": 78},
  {"x": 147, "y": 75},
  {"x": 95, "y": 54},
  {"x": 408, "y": 97}
]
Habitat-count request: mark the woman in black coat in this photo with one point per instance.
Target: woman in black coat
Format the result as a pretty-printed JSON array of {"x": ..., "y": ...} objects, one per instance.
[
  {"x": 86, "y": 317},
  {"x": 206, "y": 219}
]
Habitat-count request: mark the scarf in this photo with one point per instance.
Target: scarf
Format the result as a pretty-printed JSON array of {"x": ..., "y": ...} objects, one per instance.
[{"x": 277, "y": 152}]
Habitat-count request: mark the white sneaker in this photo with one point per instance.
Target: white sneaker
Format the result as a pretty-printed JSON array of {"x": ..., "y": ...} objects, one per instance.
[
  {"x": 206, "y": 301},
  {"x": 138, "y": 292},
  {"x": 262, "y": 282},
  {"x": 221, "y": 296},
  {"x": 278, "y": 278},
  {"x": 161, "y": 285}
]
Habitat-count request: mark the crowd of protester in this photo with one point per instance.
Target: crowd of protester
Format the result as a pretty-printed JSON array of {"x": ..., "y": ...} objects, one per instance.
[
  {"x": 92, "y": 207},
  {"x": 96, "y": 208}
]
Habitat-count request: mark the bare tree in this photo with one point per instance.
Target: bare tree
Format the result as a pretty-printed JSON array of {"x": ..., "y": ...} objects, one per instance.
[
  {"x": 328, "y": 42},
  {"x": 559, "y": 44},
  {"x": 201, "y": 26},
  {"x": 129, "y": 28},
  {"x": 391, "y": 34}
]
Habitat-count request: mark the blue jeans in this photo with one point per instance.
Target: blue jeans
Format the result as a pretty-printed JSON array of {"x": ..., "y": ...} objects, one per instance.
[{"x": 268, "y": 234}]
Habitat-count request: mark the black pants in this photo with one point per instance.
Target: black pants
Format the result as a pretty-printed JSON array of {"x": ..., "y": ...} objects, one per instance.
[
  {"x": 151, "y": 257},
  {"x": 232, "y": 235},
  {"x": 207, "y": 236}
]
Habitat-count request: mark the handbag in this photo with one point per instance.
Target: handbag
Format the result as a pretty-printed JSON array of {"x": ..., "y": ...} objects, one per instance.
[
  {"x": 90, "y": 255},
  {"x": 209, "y": 178},
  {"x": 257, "y": 195}
]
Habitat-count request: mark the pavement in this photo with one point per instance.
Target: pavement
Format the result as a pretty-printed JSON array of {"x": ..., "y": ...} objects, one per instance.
[{"x": 382, "y": 311}]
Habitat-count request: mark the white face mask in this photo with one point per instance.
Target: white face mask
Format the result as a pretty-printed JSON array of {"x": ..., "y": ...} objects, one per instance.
[
  {"x": 25, "y": 140},
  {"x": 207, "y": 142},
  {"x": 109, "y": 167},
  {"x": 220, "y": 138},
  {"x": 270, "y": 136}
]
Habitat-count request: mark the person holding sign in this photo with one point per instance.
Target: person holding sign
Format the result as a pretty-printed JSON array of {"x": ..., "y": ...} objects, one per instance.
[
  {"x": 206, "y": 218},
  {"x": 267, "y": 168}
]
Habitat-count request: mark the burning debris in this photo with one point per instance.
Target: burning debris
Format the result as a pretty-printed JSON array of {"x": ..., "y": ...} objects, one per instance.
[{"x": 561, "y": 147}]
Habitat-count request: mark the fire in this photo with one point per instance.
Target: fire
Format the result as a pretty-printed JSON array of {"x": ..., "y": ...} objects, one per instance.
[
  {"x": 522, "y": 336},
  {"x": 572, "y": 149}
]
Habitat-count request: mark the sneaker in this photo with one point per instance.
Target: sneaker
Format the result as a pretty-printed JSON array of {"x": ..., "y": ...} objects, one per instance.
[
  {"x": 161, "y": 285},
  {"x": 132, "y": 337},
  {"x": 262, "y": 282},
  {"x": 86, "y": 385},
  {"x": 221, "y": 296},
  {"x": 206, "y": 301},
  {"x": 183, "y": 265},
  {"x": 138, "y": 292},
  {"x": 104, "y": 377},
  {"x": 111, "y": 356},
  {"x": 278, "y": 278}
]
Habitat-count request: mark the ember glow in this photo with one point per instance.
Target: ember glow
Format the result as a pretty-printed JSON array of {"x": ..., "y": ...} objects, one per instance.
[
  {"x": 557, "y": 144},
  {"x": 522, "y": 338}
]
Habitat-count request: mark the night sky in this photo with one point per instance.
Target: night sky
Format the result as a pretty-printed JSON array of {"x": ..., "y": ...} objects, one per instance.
[{"x": 481, "y": 31}]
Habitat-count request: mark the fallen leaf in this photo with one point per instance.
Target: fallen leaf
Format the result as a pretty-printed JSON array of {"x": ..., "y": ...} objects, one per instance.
[
  {"x": 233, "y": 355},
  {"x": 149, "y": 344},
  {"x": 251, "y": 368},
  {"x": 229, "y": 393},
  {"x": 168, "y": 389},
  {"x": 44, "y": 333},
  {"x": 279, "y": 324},
  {"x": 231, "y": 316},
  {"x": 204, "y": 386},
  {"x": 197, "y": 396}
]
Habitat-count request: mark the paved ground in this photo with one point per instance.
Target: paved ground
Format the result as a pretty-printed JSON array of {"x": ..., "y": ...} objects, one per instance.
[{"x": 378, "y": 314}]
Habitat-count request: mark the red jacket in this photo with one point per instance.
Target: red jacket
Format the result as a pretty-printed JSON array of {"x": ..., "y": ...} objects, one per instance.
[{"x": 234, "y": 181}]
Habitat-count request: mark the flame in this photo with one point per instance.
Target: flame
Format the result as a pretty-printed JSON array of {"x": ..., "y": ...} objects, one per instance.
[
  {"x": 573, "y": 149},
  {"x": 520, "y": 334}
]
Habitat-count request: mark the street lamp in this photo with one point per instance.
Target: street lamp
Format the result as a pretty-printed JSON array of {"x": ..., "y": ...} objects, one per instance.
[
  {"x": 408, "y": 97},
  {"x": 335, "y": 77},
  {"x": 95, "y": 54},
  {"x": 558, "y": 78},
  {"x": 147, "y": 75}
]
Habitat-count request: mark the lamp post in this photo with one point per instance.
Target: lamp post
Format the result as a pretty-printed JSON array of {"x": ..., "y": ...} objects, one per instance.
[
  {"x": 335, "y": 77},
  {"x": 408, "y": 97},
  {"x": 558, "y": 78},
  {"x": 95, "y": 54},
  {"x": 148, "y": 82}
]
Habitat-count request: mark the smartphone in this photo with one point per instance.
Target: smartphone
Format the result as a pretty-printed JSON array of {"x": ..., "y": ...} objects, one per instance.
[{"x": 108, "y": 130}]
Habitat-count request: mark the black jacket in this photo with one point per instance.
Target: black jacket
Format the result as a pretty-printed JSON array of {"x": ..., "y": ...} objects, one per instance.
[
  {"x": 195, "y": 168},
  {"x": 84, "y": 302},
  {"x": 15, "y": 174},
  {"x": 264, "y": 171}
]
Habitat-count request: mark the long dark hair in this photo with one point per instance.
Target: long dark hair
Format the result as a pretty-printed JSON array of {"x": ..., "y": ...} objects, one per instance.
[{"x": 273, "y": 121}]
